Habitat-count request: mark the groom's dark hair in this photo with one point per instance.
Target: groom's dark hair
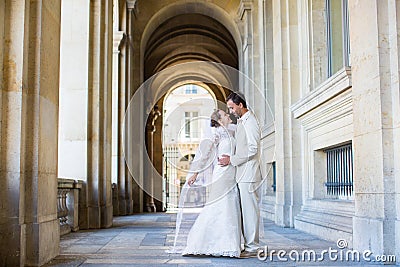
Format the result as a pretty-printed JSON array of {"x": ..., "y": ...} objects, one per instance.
[{"x": 237, "y": 98}]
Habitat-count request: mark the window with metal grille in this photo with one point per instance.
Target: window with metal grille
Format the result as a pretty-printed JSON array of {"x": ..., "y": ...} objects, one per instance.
[
  {"x": 274, "y": 176},
  {"x": 339, "y": 161}
]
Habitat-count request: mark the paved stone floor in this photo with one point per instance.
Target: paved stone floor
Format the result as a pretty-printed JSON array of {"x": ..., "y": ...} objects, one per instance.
[{"x": 144, "y": 239}]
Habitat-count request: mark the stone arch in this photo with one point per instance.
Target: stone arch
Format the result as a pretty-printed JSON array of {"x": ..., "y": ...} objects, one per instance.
[
  {"x": 187, "y": 7},
  {"x": 210, "y": 13},
  {"x": 182, "y": 32}
]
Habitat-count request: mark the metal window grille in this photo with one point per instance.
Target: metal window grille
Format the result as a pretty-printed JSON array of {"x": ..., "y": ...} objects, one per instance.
[
  {"x": 339, "y": 163},
  {"x": 171, "y": 175}
]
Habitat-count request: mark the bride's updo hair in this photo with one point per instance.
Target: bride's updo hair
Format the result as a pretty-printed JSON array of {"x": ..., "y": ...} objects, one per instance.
[{"x": 215, "y": 116}]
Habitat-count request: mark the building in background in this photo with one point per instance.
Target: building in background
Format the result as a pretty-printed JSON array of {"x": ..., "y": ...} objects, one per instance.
[{"x": 187, "y": 111}]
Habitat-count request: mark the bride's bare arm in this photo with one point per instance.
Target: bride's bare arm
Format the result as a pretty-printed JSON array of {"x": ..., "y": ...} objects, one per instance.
[{"x": 193, "y": 178}]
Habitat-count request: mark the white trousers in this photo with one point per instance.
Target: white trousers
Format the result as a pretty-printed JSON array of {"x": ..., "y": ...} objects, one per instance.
[{"x": 250, "y": 215}]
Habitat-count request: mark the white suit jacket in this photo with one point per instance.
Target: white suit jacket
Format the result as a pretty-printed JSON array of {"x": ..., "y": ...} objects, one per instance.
[{"x": 247, "y": 152}]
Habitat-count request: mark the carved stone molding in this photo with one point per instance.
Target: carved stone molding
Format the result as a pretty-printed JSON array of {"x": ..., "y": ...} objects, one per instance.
[
  {"x": 245, "y": 5},
  {"x": 332, "y": 87},
  {"x": 118, "y": 40},
  {"x": 130, "y": 4}
]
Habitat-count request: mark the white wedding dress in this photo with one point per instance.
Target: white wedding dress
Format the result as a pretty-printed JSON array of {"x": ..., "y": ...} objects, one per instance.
[{"x": 217, "y": 229}]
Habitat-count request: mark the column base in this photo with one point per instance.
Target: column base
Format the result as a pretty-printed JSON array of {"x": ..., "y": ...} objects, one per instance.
[
  {"x": 42, "y": 242},
  {"x": 267, "y": 208},
  {"x": 368, "y": 234},
  {"x": 100, "y": 217},
  {"x": 151, "y": 207},
  {"x": 122, "y": 208},
  {"x": 11, "y": 251},
  {"x": 284, "y": 215}
]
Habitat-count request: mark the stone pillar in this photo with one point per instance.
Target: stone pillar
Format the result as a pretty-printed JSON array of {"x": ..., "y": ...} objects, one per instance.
[
  {"x": 116, "y": 133},
  {"x": 251, "y": 15},
  {"x": 134, "y": 139},
  {"x": 245, "y": 16},
  {"x": 375, "y": 78},
  {"x": 29, "y": 83},
  {"x": 99, "y": 114},
  {"x": 124, "y": 177},
  {"x": 287, "y": 130},
  {"x": 151, "y": 169}
]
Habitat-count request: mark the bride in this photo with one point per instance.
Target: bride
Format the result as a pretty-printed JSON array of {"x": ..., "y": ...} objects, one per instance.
[{"x": 217, "y": 229}]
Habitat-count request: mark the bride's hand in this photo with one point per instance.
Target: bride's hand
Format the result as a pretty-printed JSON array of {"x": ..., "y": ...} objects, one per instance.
[{"x": 192, "y": 179}]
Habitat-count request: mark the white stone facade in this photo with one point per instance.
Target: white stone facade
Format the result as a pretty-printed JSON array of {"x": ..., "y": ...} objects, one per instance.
[{"x": 67, "y": 81}]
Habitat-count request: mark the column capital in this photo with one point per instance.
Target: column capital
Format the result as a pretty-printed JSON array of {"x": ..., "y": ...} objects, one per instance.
[
  {"x": 245, "y": 5},
  {"x": 118, "y": 40},
  {"x": 130, "y": 4}
]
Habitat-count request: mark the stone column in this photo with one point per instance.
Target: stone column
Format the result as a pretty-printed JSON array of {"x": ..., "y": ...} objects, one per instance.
[
  {"x": 245, "y": 16},
  {"x": 251, "y": 15},
  {"x": 287, "y": 130},
  {"x": 29, "y": 131},
  {"x": 151, "y": 169},
  {"x": 135, "y": 139},
  {"x": 123, "y": 175},
  {"x": 99, "y": 114},
  {"x": 375, "y": 78},
  {"x": 116, "y": 132}
]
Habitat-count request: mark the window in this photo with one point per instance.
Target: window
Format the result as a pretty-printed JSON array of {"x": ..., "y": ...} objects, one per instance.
[
  {"x": 338, "y": 44},
  {"x": 191, "y": 89},
  {"x": 191, "y": 125},
  {"x": 339, "y": 162},
  {"x": 270, "y": 183},
  {"x": 274, "y": 176}
]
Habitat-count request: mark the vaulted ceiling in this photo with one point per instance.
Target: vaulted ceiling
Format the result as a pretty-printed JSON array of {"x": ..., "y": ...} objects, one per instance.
[{"x": 186, "y": 38}]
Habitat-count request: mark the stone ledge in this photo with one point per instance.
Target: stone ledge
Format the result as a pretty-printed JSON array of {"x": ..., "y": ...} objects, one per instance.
[
  {"x": 332, "y": 87},
  {"x": 325, "y": 219},
  {"x": 328, "y": 219},
  {"x": 267, "y": 130},
  {"x": 65, "y": 183},
  {"x": 324, "y": 232},
  {"x": 69, "y": 183}
]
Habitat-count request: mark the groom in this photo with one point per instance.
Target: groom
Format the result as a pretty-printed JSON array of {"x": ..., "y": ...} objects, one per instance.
[{"x": 248, "y": 175}]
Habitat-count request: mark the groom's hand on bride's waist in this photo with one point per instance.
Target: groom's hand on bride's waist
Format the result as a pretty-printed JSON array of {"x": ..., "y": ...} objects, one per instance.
[{"x": 224, "y": 160}]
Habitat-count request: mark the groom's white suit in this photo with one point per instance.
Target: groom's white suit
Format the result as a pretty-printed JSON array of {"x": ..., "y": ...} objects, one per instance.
[{"x": 248, "y": 176}]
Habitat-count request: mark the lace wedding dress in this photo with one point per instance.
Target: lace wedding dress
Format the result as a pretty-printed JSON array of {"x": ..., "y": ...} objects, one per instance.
[{"x": 217, "y": 229}]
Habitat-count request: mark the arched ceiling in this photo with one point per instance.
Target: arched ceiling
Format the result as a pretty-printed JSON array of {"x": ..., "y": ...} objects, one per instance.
[{"x": 187, "y": 38}]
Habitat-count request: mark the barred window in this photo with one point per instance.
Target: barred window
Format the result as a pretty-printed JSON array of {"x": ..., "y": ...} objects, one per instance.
[
  {"x": 274, "y": 176},
  {"x": 339, "y": 162}
]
